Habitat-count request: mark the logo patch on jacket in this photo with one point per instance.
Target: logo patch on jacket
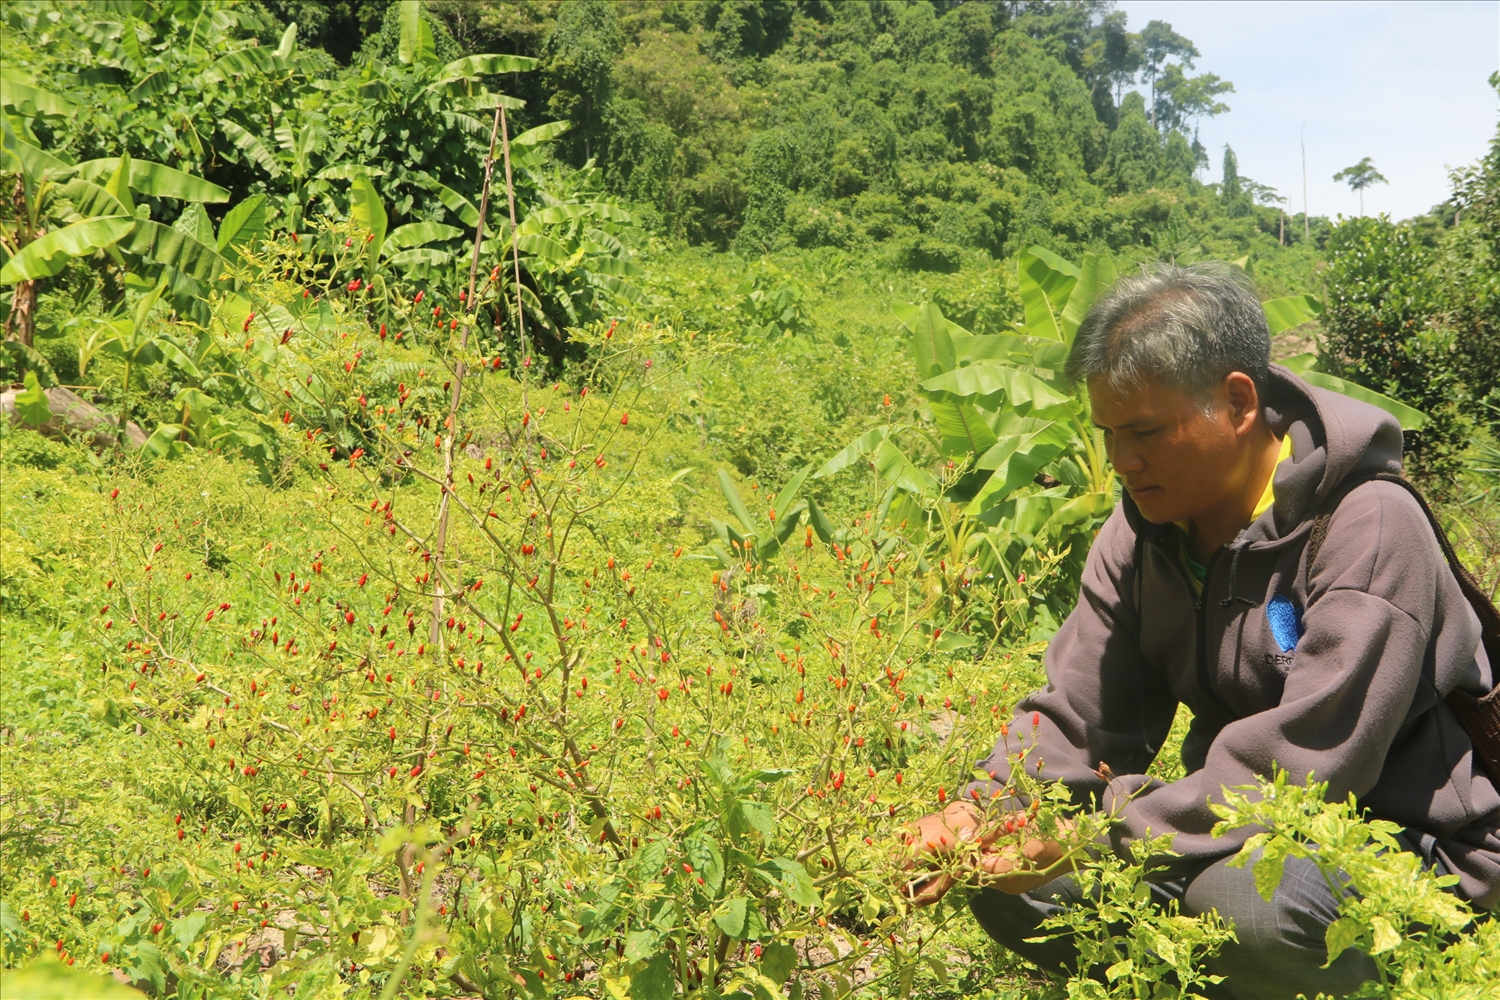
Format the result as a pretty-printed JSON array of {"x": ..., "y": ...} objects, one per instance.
[{"x": 1285, "y": 619}]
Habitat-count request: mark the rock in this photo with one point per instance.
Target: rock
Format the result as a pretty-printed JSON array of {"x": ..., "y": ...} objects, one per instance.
[{"x": 75, "y": 417}]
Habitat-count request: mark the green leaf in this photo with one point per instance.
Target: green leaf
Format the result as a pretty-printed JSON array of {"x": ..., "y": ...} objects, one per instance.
[
  {"x": 157, "y": 180},
  {"x": 415, "y": 44},
  {"x": 704, "y": 855},
  {"x": 118, "y": 184},
  {"x": 1011, "y": 348},
  {"x": 992, "y": 385},
  {"x": 641, "y": 945},
  {"x": 788, "y": 495},
  {"x": 1340, "y": 936},
  {"x": 30, "y": 102},
  {"x": 542, "y": 133},
  {"x": 821, "y": 525},
  {"x": 143, "y": 311},
  {"x": 255, "y": 150},
  {"x": 166, "y": 245},
  {"x": 964, "y": 430},
  {"x": 49, "y": 979},
  {"x": 243, "y": 225},
  {"x": 859, "y": 450},
  {"x": 367, "y": 211},
  {"x": 758, "y": 816},
  {"x": 1095, "y": 275},
  {"x": 542, "y": 246},
  {"x": 655, "y": 981},
  {"x": 1292, "y": 310},
  {"x": 777, "y": 962},
  {"x": 48, "y": 255},
  {"x": 931, "y": 337},
  {"x": 349, "y": 171},
  {"x": 792, "y": 879},
  {"x": 195, "y": 222},
  {"x": 288, "y": 42},
  {"x": 151, "y": 85},
  {"x": 243, "y": 65},
  {"x": 31, "y": 403},
  {"x": 90, "y": 200},
  {"x": 1385, "y": 936},
  {"x": 186, "y": 929},
  {"x": 736, "y": 503},
  {"x": 415, "y": 234},
  {"x": 739, "y": 918},
  {"x": 1016, "y": 460},
  {"x": 1411, "y": 418},
  {"x": 458, "y": 205},
  {"x": 1045, "y": 283},
  {"x": 1089, "y": 506},
  {"x": 420, "y": 255},
  {"x": 1268, "y": 871},
  {"x": 196, "y": 401},
  {"x": 27, "y": 357},
  {"x": 1300, "y": 363},
  {"x": 894, "y": 467},
  {"x": 485, "y": 64},
  {"x": 35, "y": 162}
]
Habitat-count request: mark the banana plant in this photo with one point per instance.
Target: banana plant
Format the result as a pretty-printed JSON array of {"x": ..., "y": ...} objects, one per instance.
[
  {"x": 1026, "y": 466},
  {"x": 758, "y": 536},
  {"x": 73, "y": 211}
]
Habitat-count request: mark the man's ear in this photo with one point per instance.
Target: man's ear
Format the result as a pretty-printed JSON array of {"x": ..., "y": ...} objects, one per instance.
[{"x": 1244, "y": 401}]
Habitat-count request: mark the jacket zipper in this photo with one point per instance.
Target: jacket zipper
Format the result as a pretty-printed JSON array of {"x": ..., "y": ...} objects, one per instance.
[
  {"x": 1200, "y": 606},
  {"x": 1200, "y": 615}
]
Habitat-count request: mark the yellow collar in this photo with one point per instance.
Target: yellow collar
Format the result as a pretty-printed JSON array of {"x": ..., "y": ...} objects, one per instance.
[{"x": 1268, "y": 495}]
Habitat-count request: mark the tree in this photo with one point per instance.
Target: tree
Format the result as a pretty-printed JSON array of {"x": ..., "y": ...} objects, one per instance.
[
  {"x": 1360, "y": 176},
  {"x": 1229, "y": 187},
  {"x": 1181, "y": 99},
  {"x": 579, "y": 69},
  {"x": 1158, "y": 44},
  {"x": 1134, "y": 147}
]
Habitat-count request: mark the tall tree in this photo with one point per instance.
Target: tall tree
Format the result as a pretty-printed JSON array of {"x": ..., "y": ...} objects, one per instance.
[
  {"x": 1360, "y": 176},
  {"x": 1158, "y": 44},
  {"x": 1181, "y": 99}
]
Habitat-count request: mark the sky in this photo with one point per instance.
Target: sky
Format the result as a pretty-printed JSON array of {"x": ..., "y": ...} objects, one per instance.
[{"x": 1402, "y": 83}]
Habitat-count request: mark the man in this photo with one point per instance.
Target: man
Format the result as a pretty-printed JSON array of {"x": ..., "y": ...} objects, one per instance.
[{"x": 1198, "y": 591}]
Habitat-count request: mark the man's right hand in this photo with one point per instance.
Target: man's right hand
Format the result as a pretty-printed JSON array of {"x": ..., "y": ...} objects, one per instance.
[{"x": 937, "y": 836}]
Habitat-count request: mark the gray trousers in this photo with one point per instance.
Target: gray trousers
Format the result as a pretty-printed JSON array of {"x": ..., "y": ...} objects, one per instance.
[{"x": 1280, "y": 949}]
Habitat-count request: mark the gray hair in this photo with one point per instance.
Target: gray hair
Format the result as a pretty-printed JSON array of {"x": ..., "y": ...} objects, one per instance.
[{"x": 1182, "y": 327}]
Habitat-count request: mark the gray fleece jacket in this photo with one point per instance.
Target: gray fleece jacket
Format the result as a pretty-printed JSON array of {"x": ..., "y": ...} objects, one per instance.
[{"x": 1338, "y": 668}]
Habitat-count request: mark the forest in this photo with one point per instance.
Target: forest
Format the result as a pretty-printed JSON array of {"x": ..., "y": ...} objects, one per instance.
[{"x": 581, "y": 374}]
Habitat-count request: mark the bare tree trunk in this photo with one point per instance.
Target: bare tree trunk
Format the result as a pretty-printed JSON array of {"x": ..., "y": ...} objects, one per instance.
[
  {"x": 1306, "y": 216},
  {"x": 21, "y": 323}
]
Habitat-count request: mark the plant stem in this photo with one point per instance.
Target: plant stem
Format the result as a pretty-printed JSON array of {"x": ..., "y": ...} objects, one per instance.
[{"x": 439, "y": 592}]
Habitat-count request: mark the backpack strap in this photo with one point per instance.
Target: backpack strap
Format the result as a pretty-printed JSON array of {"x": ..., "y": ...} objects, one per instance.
[{"x": 1480, "y": 717}]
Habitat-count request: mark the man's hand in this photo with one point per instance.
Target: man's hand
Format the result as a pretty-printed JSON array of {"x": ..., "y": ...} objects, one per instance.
[
  {"x": 940, "y": 835},
  {"x": 1016, "y": 871},
  {"x": 958, "y": 829}
]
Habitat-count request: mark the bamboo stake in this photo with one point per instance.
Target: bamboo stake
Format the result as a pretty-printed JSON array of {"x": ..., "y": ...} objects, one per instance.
[
  {"x": 515, "y": 251},
  {"x": 456, "y": 390}
]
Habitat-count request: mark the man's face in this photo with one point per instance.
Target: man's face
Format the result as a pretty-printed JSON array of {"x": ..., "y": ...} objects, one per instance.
[{"x": 1176, "y": 460}]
